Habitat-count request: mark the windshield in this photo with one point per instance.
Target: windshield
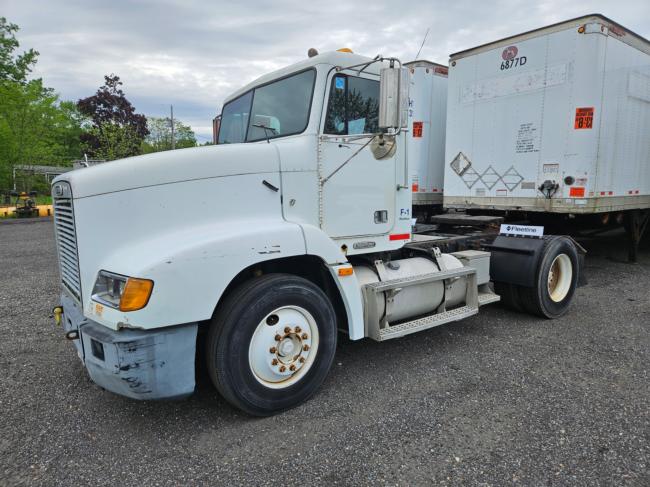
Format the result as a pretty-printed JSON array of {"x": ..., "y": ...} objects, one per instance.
[{"x": 276, "y": 109}]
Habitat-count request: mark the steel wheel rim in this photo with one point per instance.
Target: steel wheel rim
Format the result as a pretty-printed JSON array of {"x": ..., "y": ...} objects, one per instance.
[
  {"x": 560, "y": 275},
  {"x": 283, "y": 347}
]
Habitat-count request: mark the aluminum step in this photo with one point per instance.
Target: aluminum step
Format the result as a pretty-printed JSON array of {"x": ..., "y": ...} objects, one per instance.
[
  {"x": 487, "y": 298},
  {"x": 408, "y": 327}
]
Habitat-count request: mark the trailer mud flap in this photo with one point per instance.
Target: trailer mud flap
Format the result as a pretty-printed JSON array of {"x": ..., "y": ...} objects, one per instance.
[{"x": 515, "y": 260}]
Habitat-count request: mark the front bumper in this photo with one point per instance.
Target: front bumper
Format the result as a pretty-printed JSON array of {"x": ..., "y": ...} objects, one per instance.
[{"x": 140, "y": 364}]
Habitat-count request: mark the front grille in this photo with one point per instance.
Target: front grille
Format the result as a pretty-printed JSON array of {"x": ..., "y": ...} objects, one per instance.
[{"x": 66, "y": 238}]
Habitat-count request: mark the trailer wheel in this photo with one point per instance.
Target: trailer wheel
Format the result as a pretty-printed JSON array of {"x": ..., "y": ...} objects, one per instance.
[
  {"x": 271, "y": 344},
  {"x": 555, "y": 282}
]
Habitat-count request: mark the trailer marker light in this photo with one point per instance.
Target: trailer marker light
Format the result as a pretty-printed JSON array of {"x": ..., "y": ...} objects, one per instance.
[
  {"x": 136, "y": 294},
  {"x": 346, "y": 271},
  {"x": 581, "y": 29},
  {"x": 344, "y": 49},
  {"x": 399, "y": 236}
]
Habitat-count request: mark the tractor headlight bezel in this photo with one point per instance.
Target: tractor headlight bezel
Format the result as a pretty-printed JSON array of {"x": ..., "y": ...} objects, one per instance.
[{"x": 121, "y": 292}]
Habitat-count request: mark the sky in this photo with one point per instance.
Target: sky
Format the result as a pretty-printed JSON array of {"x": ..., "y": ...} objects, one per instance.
[{"x": 193, "y": 54}]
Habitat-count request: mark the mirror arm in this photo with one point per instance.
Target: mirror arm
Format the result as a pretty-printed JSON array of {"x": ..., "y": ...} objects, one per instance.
[
  {"x": 377, "y": 59},
  {"x": 324, "y": 180}
]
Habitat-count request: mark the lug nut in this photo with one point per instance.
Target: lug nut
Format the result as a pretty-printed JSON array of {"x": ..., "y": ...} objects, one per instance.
[
  {"x": 287, "y": 329},
  {"x": 298, "y": 329},
  {"x": 273, "y": 350},
  {"x": 305, "y": 347},
  {"x": 274, "y": 361},
  {"x": 302, "y": 360},
  {"x": 283, "y": 368},
  {"x": 278, "y": 338},
  {"x": 292, "y": 368},
  {"x": 305, "y": 336}
]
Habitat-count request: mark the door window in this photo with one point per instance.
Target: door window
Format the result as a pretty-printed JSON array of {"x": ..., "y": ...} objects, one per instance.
[{"x": 353, "y": 106}]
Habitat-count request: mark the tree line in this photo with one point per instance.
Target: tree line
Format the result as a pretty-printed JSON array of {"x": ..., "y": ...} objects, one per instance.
[{"x": 38, "y": 128}]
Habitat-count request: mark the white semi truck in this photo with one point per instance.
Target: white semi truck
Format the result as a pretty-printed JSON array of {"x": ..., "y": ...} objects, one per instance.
[{"x": 301, "y": 226}]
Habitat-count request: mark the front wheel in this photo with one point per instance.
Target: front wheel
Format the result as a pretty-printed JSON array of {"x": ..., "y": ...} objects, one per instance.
[{"x": 271, "y": 344}]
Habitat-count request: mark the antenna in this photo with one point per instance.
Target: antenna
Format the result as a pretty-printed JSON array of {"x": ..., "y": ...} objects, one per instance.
[{"x": 423, "y": 41}]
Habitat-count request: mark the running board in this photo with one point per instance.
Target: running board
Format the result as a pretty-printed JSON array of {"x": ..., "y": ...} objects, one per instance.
[
  {"x": 431, "y": 321},
  {"x": 408, "y": 327}
]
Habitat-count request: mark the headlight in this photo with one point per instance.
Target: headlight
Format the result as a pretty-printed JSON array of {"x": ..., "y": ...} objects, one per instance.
[{"x": 121, "y": 292}]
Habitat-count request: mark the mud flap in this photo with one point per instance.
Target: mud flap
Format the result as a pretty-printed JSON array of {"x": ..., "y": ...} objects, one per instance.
[{"x": 515, "y": 260}]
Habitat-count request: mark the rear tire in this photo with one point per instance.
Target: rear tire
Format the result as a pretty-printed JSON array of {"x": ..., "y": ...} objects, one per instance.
[
  {"x": 271, "y": 343},
  {"x": 555, "y": 282}
]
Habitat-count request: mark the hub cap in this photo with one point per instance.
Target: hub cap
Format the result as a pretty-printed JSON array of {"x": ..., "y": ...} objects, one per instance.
[
  {"x": 283, "y": 347},
  {"x": 559, "y": 277}
]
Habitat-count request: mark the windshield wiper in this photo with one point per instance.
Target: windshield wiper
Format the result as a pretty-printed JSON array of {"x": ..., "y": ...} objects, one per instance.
[{"x": 262, "y": 126}]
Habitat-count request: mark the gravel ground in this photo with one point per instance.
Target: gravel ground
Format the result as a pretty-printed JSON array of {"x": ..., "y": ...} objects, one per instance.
[{"x": 499, "y": 399}]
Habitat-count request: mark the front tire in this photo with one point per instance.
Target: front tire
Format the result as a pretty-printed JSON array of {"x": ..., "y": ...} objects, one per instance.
[{"x": 271, "y": 343}]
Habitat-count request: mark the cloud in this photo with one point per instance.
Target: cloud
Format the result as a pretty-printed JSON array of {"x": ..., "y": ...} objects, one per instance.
[{"x": 192, "y": 54}]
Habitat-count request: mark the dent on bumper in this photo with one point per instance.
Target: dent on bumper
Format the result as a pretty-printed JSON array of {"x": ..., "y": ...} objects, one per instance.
[{"x": 140, "y": 364}]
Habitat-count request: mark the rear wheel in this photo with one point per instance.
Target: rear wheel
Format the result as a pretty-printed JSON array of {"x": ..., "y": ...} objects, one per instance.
[
  {"x": 271, "y": 344},
  {"x": 555, "y": 281}
]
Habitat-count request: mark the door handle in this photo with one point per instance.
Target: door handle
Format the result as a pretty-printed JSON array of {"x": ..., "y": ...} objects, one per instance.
[{"x": 270, "y": 186}]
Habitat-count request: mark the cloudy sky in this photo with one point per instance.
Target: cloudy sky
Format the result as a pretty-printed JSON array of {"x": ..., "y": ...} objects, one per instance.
[{"x": 192, "y": 53}]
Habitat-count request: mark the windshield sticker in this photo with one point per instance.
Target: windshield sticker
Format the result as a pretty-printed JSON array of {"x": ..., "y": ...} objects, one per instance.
[{"x": 339, "y": 83}]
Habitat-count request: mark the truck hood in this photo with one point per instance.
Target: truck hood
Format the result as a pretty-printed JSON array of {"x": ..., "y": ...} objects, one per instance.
[{"x": 173, "y": 167}]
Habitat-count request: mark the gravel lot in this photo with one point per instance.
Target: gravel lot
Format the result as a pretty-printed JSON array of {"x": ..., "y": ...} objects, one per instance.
[{"x": 499, "y": 399}]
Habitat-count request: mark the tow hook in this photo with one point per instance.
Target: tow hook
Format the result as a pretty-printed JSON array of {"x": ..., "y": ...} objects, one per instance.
[
  {"x": 72, "y": 335},
  {"x": 57, "y": 311}
]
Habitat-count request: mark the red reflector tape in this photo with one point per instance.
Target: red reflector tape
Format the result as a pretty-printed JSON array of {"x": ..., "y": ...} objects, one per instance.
[{"x": 399, "y": 236}]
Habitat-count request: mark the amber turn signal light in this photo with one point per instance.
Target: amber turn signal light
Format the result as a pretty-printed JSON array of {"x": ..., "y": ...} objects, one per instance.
[{"x": 136, "y": 294}]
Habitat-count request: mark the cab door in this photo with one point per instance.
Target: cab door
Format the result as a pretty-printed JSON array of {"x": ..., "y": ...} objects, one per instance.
[{"x": 358, "y": 196}]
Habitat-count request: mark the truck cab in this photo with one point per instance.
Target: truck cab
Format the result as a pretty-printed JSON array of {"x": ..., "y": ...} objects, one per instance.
[{"x": 301, "y": 227}]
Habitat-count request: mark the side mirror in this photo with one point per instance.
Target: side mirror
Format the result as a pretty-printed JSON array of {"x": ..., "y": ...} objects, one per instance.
[
  {"x": 393, "y": 98},
  {"x": 216, "y": 125}
]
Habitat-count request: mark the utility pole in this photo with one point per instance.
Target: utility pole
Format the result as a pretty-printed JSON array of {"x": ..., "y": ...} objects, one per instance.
[{"x": 172, "y": 122}]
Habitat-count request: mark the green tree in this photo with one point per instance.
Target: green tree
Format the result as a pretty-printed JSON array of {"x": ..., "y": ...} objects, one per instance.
[
  {"x": 13, "y": 67},
  {"x": 160, "y": 135},
  {"x": 35, "y": 127}
]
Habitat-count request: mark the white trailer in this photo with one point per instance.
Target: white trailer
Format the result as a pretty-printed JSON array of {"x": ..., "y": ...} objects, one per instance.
[
  {"x": 555, "y": 120},
  {"x": 301, "y": 225},
  {"x": 426, "y": 140}
]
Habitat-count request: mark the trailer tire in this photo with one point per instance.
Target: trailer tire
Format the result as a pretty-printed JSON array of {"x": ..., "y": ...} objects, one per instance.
[
  {"x": 555, "y": 281},
  {"x": 271, "y": 343}
]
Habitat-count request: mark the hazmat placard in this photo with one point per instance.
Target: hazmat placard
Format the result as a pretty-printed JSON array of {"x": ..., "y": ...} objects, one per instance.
[{"x": 584, "y": 118}]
